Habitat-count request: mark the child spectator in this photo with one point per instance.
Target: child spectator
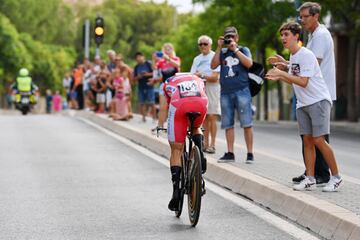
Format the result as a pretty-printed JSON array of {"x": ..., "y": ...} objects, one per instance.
[
  {"x": 48, "y": 101},
  {"x": 57, "y": 99}
]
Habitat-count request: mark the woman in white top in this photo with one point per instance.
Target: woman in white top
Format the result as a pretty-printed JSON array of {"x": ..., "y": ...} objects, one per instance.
[{"x": 201, "y": 68}]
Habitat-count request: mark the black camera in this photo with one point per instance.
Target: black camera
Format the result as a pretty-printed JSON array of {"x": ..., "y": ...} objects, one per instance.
[{"x": 227, "y": 41}]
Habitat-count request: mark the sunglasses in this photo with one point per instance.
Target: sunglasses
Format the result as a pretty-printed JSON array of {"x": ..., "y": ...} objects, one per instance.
[{"x": 203, "y": 44}]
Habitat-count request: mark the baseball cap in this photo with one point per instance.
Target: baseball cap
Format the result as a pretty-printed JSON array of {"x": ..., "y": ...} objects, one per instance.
[{"x": 230, "y": 31}]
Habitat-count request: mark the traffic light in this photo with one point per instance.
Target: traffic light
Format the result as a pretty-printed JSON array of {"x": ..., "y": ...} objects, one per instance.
[{"x": 99, "y": 30}]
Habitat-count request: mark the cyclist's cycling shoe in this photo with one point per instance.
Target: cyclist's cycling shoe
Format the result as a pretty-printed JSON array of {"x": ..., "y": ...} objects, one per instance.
[
  {"x": 174, "y": 202},
  {"x": 203, "y": 165}
]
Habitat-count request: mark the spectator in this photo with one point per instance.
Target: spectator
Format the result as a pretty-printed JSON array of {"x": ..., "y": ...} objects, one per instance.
[
  {"x": 322, "y": 45},
  {"x": 234, "y": 62},
  {"x": 57, "y": 102},
  {"x": 9, "y": 98},
  {"x": 111, "y": 55},
  {"x": 88, "y": 74},
  {"x": 168, "y": 64},
  {"x": 127, "y": 73},
  {"x": 118, "y": 106},
  {"x": 146, "y": 95},
  {"x": 101, "y": 87},
  {"x": 312, "y": 108},
  {"x": 78, "y": 85},
  {"x": 73, "y": 97},
  {"x": 97, "y": 63},
  {"x": 48, "y": 100},
  {"x": 201, "y": 68},
  {"x": 67, "y": 85}
]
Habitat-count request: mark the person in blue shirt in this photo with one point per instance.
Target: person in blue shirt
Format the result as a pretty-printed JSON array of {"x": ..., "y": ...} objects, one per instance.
[{"x": 234, "y": 62}]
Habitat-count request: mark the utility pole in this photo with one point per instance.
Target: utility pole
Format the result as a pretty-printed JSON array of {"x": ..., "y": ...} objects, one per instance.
[{"x": 86, "y": 38}]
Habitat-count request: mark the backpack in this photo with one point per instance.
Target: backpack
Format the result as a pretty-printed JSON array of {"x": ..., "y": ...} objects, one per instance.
[{"x": 256, "y": 78}]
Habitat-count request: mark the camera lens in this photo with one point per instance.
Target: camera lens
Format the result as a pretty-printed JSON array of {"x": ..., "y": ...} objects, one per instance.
[{"x": 227, "y": 41}]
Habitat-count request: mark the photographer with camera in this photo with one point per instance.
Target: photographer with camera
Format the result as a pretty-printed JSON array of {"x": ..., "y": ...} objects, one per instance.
[{"x": 234, "y": 62}]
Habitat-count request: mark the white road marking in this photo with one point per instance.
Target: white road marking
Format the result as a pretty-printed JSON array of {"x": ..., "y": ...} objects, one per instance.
[
  {"x": 289, "y": 161},
  {"x": 274, "y": 220}
]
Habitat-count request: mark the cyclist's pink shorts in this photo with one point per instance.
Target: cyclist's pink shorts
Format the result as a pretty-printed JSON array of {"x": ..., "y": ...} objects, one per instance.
[{"x": 178, "y": 121}]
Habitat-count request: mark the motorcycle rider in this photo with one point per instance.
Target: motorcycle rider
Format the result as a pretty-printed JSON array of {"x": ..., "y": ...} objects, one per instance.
[{"x": 25, "y": 84}]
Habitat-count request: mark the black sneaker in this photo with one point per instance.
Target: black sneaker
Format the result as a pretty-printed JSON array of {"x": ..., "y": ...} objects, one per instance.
[
  {"x": 321, "y": 182},
  {"x": 228, "y": 157},
  {"x": 249, "y": 158},
  {"x": 174, "y": 202},
  {"x": 299, "y": 178}
]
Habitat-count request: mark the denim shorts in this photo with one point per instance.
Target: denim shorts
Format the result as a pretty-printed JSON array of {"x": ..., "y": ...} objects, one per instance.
[
  {"x": 146, "y": 95},
  {"x": 239, "y": 101}
]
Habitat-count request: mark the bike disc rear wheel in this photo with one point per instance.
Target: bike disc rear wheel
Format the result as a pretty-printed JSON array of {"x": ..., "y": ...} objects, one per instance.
[{"x": 194, "y": 196}]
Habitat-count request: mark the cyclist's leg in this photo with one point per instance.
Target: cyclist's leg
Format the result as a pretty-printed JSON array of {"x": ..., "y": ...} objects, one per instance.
[
  {"x": 176, "y": 135},
  {"x": 198, "y": 139},
  {"x": 198, "y": 136}
]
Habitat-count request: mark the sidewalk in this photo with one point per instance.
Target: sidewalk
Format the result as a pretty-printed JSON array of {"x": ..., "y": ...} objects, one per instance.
[
  {"x": 266, "y": 182},
  {"x": 350, "y": 127}
]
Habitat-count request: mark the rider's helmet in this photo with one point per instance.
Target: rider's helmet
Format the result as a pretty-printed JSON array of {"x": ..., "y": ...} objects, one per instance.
[{"x": 24, "y": 72}]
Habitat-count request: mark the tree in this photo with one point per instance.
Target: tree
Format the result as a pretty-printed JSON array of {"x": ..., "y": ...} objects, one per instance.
[
  {"x": 49, "y": 21},
  {"x": 13, "y": 53},
  {"x": 346, "y": 17}
]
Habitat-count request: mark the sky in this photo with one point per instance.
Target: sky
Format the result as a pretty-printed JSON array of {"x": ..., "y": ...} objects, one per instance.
[{"x": 184, "y": 6}]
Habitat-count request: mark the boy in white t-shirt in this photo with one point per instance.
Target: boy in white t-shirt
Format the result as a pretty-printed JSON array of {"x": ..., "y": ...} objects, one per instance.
[{"x": 312, "y": 108}]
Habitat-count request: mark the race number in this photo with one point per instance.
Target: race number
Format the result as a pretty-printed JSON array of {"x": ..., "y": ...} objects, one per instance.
[{"x": 188, "y": 89}]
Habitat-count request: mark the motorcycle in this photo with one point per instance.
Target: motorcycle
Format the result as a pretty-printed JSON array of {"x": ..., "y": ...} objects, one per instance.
[{"x": 24, "y": 101}]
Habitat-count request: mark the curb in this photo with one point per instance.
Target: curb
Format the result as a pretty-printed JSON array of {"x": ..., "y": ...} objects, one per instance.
[{"x": 321, "y": 217}]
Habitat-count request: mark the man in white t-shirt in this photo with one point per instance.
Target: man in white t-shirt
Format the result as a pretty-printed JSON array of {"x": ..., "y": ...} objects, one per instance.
[
  {"x": 321, "y": 44},
  {"x": 313, "y": 106},
  {"x": 201, "y": 68}
]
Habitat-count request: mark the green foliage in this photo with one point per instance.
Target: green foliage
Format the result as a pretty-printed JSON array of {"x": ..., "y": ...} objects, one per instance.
[
  {"x": 50, "y": 62},
  {"x": 346, "y": 12},
  {"x": 47, "y": 62},
  {"x": 13, "y": 54},
  {"x": 49, "y": 21}
]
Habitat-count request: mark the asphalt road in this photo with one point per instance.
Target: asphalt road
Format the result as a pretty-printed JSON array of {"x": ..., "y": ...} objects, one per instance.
[{"x": 63, "y": 179}]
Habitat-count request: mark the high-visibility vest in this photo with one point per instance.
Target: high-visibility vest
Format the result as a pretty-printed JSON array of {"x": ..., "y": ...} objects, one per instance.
[{"x": 24, "y": 84}]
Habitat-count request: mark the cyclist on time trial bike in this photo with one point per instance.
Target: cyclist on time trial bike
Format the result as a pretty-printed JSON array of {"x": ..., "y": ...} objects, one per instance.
[{"x": 184, "y": 93}]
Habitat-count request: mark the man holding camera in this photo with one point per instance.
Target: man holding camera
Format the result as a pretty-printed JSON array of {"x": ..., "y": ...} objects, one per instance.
[{"x": 234, "y": 62}]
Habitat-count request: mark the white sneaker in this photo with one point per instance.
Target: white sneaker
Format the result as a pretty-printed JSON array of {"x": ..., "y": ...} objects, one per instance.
[
  {"x": 305, "y": 185},
  {"x": 333, "y": 185}
]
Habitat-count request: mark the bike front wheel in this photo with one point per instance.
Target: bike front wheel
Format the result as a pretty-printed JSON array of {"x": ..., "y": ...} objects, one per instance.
[{"x": 194, "y": 196}]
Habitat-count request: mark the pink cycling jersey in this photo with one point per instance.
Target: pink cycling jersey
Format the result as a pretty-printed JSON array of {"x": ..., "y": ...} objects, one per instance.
[{"x": 184, "y": 93}]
